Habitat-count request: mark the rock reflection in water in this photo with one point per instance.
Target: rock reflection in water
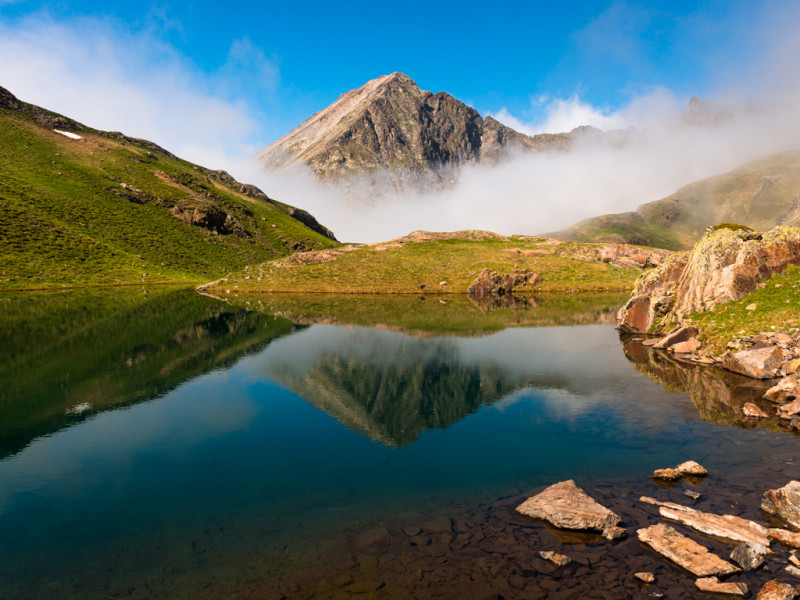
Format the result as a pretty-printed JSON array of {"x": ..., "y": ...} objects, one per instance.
[{"x": 718, "y": 395}]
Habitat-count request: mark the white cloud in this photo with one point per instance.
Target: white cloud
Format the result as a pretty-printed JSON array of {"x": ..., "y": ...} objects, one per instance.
[{"x": 107, "y": 77}]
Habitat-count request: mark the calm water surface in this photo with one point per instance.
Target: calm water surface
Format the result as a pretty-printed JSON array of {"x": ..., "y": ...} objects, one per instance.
[{"x": 171, "y": 445}]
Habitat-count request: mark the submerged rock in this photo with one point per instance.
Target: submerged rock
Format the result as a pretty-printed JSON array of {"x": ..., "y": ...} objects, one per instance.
[
  {"x": 784, "y": 503},
  {"x": 645, "y": 577},
  {"x": 684, "y": 551},
  {"x": 559, "y": 560},
  {"x": 728, "y": 528},
  {"x": 753, "y": 411},
  {"x": 713, "y": 585},
  {"x": 615, "y": 533},
  {"x": 567, "y": 506},
  {"x": 775, "y": 590}
]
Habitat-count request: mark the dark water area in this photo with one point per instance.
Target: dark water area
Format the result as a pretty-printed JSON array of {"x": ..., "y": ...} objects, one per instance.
[{"x": 170, "y": 445}]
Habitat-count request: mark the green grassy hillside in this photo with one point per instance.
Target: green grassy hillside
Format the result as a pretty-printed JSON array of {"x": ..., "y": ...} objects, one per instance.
[
  {"x": 109, "y": 209},
  {"x": 761, "y": 195}
]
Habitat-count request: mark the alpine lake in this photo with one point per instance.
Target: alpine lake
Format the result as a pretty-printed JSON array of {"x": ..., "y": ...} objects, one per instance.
[{"x": 164, "y": 444}]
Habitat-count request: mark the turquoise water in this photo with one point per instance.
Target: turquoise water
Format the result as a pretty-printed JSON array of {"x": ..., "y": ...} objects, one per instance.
[{"x": 290, "y": 438}]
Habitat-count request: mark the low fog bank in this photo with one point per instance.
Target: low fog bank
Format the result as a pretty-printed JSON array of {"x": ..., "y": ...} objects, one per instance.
[{"x": 534, "y": 193}]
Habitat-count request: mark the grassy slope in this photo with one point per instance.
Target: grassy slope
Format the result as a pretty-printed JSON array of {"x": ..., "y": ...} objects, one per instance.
[
  {"x": 760, "y": 194},
  {"x": 401, "y": 270},
  {"x": 62, "y": 223},
  {"x": 777, "y": 309}
]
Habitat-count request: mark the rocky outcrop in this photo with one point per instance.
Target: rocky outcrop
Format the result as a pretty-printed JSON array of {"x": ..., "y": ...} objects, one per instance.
[
  {"x": 567, "y": 506},
  {"x": 489, "y": 283},
  {"x": 727, "y": 264},
  {"x": 8, "y": 100},
  {"x": 684, "y": 551}
]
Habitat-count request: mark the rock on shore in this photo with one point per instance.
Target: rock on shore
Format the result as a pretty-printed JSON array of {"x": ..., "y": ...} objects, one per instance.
[{"x": 784, "y": 503}]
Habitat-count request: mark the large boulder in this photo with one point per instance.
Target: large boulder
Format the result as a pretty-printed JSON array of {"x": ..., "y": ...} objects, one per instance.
[
  {"x": 784, "y": 503},
  {"x": 725, "y": 265},
  {"x": 490, "y": 282},
  {"x": 762, "y": 363}
]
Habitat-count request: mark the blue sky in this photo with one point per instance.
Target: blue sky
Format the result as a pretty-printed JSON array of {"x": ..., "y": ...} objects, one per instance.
[
  {"x": 215, "y": 83},
  {"x": 292, "y": 59}
]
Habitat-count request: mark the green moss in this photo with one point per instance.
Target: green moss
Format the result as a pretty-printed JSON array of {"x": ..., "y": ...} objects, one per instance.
[{"x": 777, "y": 307}]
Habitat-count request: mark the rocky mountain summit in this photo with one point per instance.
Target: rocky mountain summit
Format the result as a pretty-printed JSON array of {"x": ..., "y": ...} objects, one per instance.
[{"x": 395, "y": 133}]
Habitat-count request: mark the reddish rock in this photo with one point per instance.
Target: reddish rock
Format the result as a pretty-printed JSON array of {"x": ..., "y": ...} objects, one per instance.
[
  {"x": 752, "y": 411},
  {"x": 713, "y": 585},
  {"x": 557, "y": 559},
  {"x": 775, "y": 590},
  {"x": 786, "y": 389},
  {"x": 785, "y": 537},
  {"x": 567, "y": 506},
  {"x": 763, "y": 363},
  {"x": 687, "y": 347},
  {"x": 681, "y": 334},
  {"x": 789, "y": 410},
  {"x": 784, "y": 503},
  {"x": 725, "y": 265},
  {"x": 645, "y": 577},
  {"x": 684, "y": 551}
]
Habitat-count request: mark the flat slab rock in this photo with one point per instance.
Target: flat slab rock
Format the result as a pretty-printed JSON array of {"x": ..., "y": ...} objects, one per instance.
[
  {"x": 784, "y": 503},
  {"x": 787, "y": 538},
  {"x": 566, "y": 506},
  {"x": 775, "y": 590},
  {"x": 684, "y": 551},
  {"x": 713, "y": 585},
  {"x": 728, "y": 528}
]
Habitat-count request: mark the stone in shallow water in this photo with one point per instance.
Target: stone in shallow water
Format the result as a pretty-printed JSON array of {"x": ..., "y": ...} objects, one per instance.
[
  {"x": 784, "y": 503},
  {"x": 789, "y": 410},
  {"x": 792, "y": 570},
  {"x": 747, "y": 557},
  {"x": 691, "y": 494},
  {"x": 615, "y": 533},
  {"x": 728, "y": 528},
  {"x": 753, "y": 411},
  {"x": 787, "y": 538},
  {"x": 686, "y": 469},
  {"x": 786, "y": 389},
  {"x": 762, "y": 363},
  {"x": 645, "y": 577},
  {"x": 567, "y": 506},
  {"x": 775, "y": 590},
  {"x": 684, "y": 551},
  {"x": 557, "y": 559},
  {"x": 712, "y": 584}
]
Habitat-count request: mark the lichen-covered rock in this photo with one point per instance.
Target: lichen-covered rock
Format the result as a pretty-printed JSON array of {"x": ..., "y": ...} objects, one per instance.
[{"x": 725, "y": 265}]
